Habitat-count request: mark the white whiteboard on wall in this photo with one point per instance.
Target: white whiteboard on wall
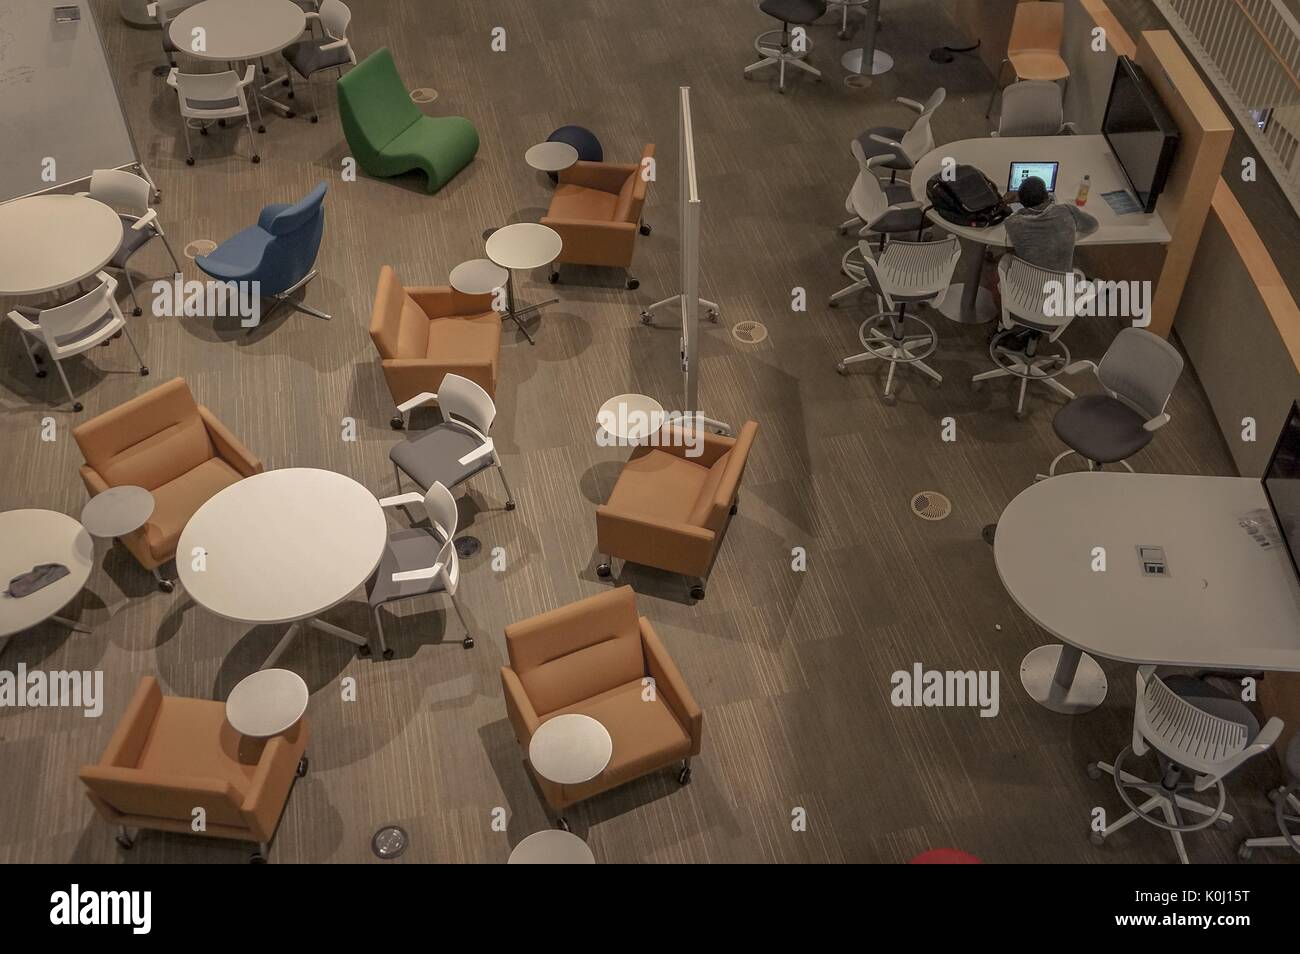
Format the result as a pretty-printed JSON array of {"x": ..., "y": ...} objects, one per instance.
[{"x": 57, "y": 99}]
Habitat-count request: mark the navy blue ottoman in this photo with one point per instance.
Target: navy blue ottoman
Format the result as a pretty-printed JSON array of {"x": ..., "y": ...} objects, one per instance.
[{"x": 583, "y": 140}]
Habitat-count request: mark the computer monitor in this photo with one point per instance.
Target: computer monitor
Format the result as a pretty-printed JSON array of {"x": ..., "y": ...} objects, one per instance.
[
  {"x": 1282, "y": 485},
  {"x": 1140, "y": 132},
  {"x": 1020, "y": 171}
]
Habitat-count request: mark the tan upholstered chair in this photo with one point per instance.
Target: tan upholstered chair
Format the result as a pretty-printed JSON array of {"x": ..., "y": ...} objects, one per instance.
[
  {"x": 170, "y": 755},
  {"x": 596, "y": 208},
  {"x": 423, "y": 333},
  {"x": 592, "y": 657},
  {"x": 670, "y": 510},
  {"x": 166, "y": 443}
]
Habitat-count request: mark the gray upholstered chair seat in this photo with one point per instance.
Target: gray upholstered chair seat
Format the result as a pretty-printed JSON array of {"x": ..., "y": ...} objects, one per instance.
[
  {"x": 794, "y": 11},
  {"x": 132, "y": 239},
  {"x": 872, "y": 148},
  {"x": 1101, "y": 428},
  {"x": 306, "y": 57},
  {"x": 434, "y": 456},
  {"x": 414, "y": 549}
]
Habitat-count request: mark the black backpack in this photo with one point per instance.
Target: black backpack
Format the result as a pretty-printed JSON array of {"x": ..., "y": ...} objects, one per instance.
[{"x": 970, "y": 198}]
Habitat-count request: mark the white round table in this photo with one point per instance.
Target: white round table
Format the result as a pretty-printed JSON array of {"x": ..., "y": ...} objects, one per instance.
[
  {"x": 27, "y": 539},
  {"x": 283, "y": 547},
  {"x": 52, "y": 241},
  {"x": 478, "y": 276},
  {"x": 117, "y": 511},
  {"x": 267, "y": 703},
  {"x": 551, "y": 156},
  {"x": 552, "y": 847},
  {"x": 523, "y": 245},
  {"x": 630, "y": 418},
  {"x": 238, "y": 30},
  {"x": 570, "y": 749}
]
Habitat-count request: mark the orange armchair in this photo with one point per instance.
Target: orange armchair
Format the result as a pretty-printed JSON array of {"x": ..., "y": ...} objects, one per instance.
[
  {"x": 670, "y": 510},
  {"x": 169, "y": 756},
  {"x": 424, "y": 333},
  {"x": 592, "y": 657},
  {"x": 596, "y": 208},
  {"x": 170, "y": 445}
]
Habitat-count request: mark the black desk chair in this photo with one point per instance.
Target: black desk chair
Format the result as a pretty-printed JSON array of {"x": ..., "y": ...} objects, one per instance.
[{"x": 796, "y": 12}]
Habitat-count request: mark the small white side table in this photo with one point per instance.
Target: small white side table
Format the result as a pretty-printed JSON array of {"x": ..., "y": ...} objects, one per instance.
[
  {"x": 552, "y": 847},
  {"x": 267, "y": 703},
  {"x": 523, "y": 245},
  {"x": 570, "y": 749},
  {"x": 478, "y": 276},
  {"x": 551, "y": 156},
  {"x": 630, "y": 418},
  {"x": 117, "y": 511}
]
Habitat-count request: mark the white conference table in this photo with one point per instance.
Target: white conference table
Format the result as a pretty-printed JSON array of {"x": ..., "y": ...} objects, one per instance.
[
  {"x": 1226, "y": 603},
  {"x": 283, "y": 547},
  {"x": 1078, "y": 156},
  {"x": 52, "y": 241},
  {"x": 29, "y": 538}
]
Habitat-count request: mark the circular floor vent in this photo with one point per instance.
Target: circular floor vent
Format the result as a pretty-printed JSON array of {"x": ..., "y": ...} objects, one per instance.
[
  {"x": 749, "y": 332},
  {"x": 389, "y": 842},
  {"x": 423, "y": 95},
  {"x": 200, "y": 247},
  {"x": 929, "y": 505},
  {"x": 467, "y": 546}
]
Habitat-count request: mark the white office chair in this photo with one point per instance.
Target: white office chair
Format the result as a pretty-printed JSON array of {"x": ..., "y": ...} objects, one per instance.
[
  {"x": 1027, "y": 291},
  {"x": 128, "y": 195},
  {"x": 1286, "y": 808},
  {"x": 207, "y": 98},
  {"x": 316, "y": 54},
  {"x": 455, "y": 450},
  {"x": 1033, "y": 108},
  {"x": 906, "y": 273},
  {"x": 419, "y": 561},
  {"x": 73, "y": 327},
  {"x": 1200, "y": 735},
  {"x": 878, "y": 208},
  {"x": 164, "y": 11},
  {"x": 904, "y": 147}
]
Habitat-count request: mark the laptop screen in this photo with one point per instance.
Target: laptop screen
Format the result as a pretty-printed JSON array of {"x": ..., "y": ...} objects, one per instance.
[{"x": 1020, "y": 171}]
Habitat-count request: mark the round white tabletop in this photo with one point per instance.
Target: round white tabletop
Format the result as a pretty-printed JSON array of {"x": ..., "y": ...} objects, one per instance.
[
  {"x": 631, "y": 417},
  {"x": 552, "y": 847},
  {"x": 238, "y": 29},
  {"x": 478, "y": 276},
  {"x": 117, "y": 511},
  {"x": 524, "y": 245},
  {"x": 282, "y": 546},
  {"x": 570, "y": 749},
  {"x": 54, "y": 240},
  {"x": 268, "y": 702},
  {"x": 32, "y": 537},
  {"x": 551, "y": 156}
]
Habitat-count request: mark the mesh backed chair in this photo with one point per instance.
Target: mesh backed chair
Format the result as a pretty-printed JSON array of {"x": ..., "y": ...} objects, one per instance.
[
  {"x": 879, "y": 208},
  {"x": 317, "y": 54},
  {"x": 1034, "y": 47},
  {"x": 453, "y": 451},
  {"x": 1138, "y": 371},
  {"x": 1032, "y": 108},
  {"x": 128, "y": 195},
  {"x": 207, "y": 98},
  {"x": 279, "y": 252},
  {"x": 1199, "y": 735},
  {"x": 904, "y": 147},
  {"x": 1030, "y": 319},
  {"x": 419, "y": 561},
  {"x": 906, "y": 273},
  {"x": 783, "y": 51},
  {"x": 74, "y": 327},
  {"x": 1286, "y": 808}
]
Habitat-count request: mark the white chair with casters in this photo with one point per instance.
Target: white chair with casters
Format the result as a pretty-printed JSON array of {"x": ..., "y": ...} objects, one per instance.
[
  {"x": 878, "y": 208},
  {"x": 907, "y": 273},
  {"x": 163, "y": 11},
  {"x": 1286, "y": 808},
  {"x": 74, "y": 327},
  {"x": 1138, "y": 371},
  {"x": 128, "y": 195},
  {"x": 1028, "y": 294},
  {"x": 1199, "y": 735},
  {"x": 420, "y": 561},
  {"x": 207, "y": 98},
  {"x": 317, "y": 54},
  {"x": 455, "y": 450},
  {"x": 801, "y": 13},
  {"x": 1033, "y": 108},
  {"x": 904, "y": 147}
]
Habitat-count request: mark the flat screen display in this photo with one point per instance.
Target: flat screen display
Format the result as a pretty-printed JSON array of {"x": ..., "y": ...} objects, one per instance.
[
  {"x": 1020, "y": 171},
  {"x": 1282, "y": 485},
  {"x": 1140, "y": 132}
]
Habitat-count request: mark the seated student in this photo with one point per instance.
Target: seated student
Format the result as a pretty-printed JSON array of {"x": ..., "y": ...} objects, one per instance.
[{"x": 1044, "y": 233}]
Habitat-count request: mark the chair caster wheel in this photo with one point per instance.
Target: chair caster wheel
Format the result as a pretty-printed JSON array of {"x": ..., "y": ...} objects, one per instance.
[
  {"x": 553, "y": 278},
  {"x": 1244, "y": 851},
  {"x": 697, "y": 592},
  {"x": 734, "y": 509},
  {"x": 315, "y": 119},
  {"x": 144, "y": 372},
  {"x": 468, "y": 642},
  {"x": 684, "y": 776},
  {"x": 1021, "y": 415},
  {"x": 1096, "y": 838},
  {"x": 713, "y": 316},
  {"x": 203, "y": 130},
  {"x": 256, "y": 160},
  {"x": 781, "y": 90},
  {"x": 1222, "y": 824},
  {"x": 261, "y": 129},
  {"x": 832, "y": 303},
  {"x": 842, "y": 34},
  {"x": 633, "y": 284},
  {"x": 126, "y": 844},
  {"x": 290, "y": 114},
  {"x": 388, "y": 652},
  {"x": 645, "y": 230},
  {"x": 189, "y": 161},
  {"x": 935, "y": 385},
  {"x": 78, "y": 407},
  {"x": 364, "y": 652},
  {"x": 977, "y": 385},
  {"x": 137, "y": 311},
  {"x": 749, "y": 77},
  {"x": 396, "y": 422},
  {"x": 510, "y": 505},
  {"x": 1093, "y": 770},
  {"x": 288, "y": 95},
  {"x": 647, "y": 318},
  {"x": 890, "y": 399},
  {"x": 304, "y": 764},
  {"x": 562, "y": 823},
  {"x": 257, "y": 858},
  {"x": 167, "y": 586},
  {"x": 41, "y": 372},
  {"x": 603, "y": 571},
  {"x": 841, "y": 369}
]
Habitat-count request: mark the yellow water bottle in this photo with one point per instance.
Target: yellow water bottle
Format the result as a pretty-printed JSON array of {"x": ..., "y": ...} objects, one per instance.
[{"x": 1084, "y": 186}]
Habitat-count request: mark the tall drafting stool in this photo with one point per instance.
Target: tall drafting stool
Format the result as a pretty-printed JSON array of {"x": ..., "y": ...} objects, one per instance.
[
  {"x": 906, "y": 273},
  {"x": 1200, "y": 735},
  {"x": 1286, "y": 808},
  {"x": 800, "y": 13}
]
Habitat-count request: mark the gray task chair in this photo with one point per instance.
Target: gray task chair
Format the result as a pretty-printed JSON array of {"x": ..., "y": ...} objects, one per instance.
[
  {"x": 1138, "y": 371},
  {"x": 1286, "y": 808},
  {"x": 1199, "y": 735},
  {"x": 776, "y": 53},
  {"x": 1033, "y": 108},
  {"x": 128, "y": 195},
  {"x": 317, "y": 54},
  {"x": 904, "y": 147},
  {"x": 879, "y": 208},
  {"x": 455, "y": 450},
  {"x": 419, "y": 561}
]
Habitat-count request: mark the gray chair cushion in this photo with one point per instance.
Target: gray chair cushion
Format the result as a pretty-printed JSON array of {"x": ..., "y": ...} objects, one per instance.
[
  {"x": 132, "y": 239},
  {"x": 434, "y": 456},
  {"x": 413, "y": 549},
  {"x": 872, "y": 148},
  {"x": 1101, "y": 428},
  {"x": 794, "y": 11},
  {"x": 306, "y": 57}
]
